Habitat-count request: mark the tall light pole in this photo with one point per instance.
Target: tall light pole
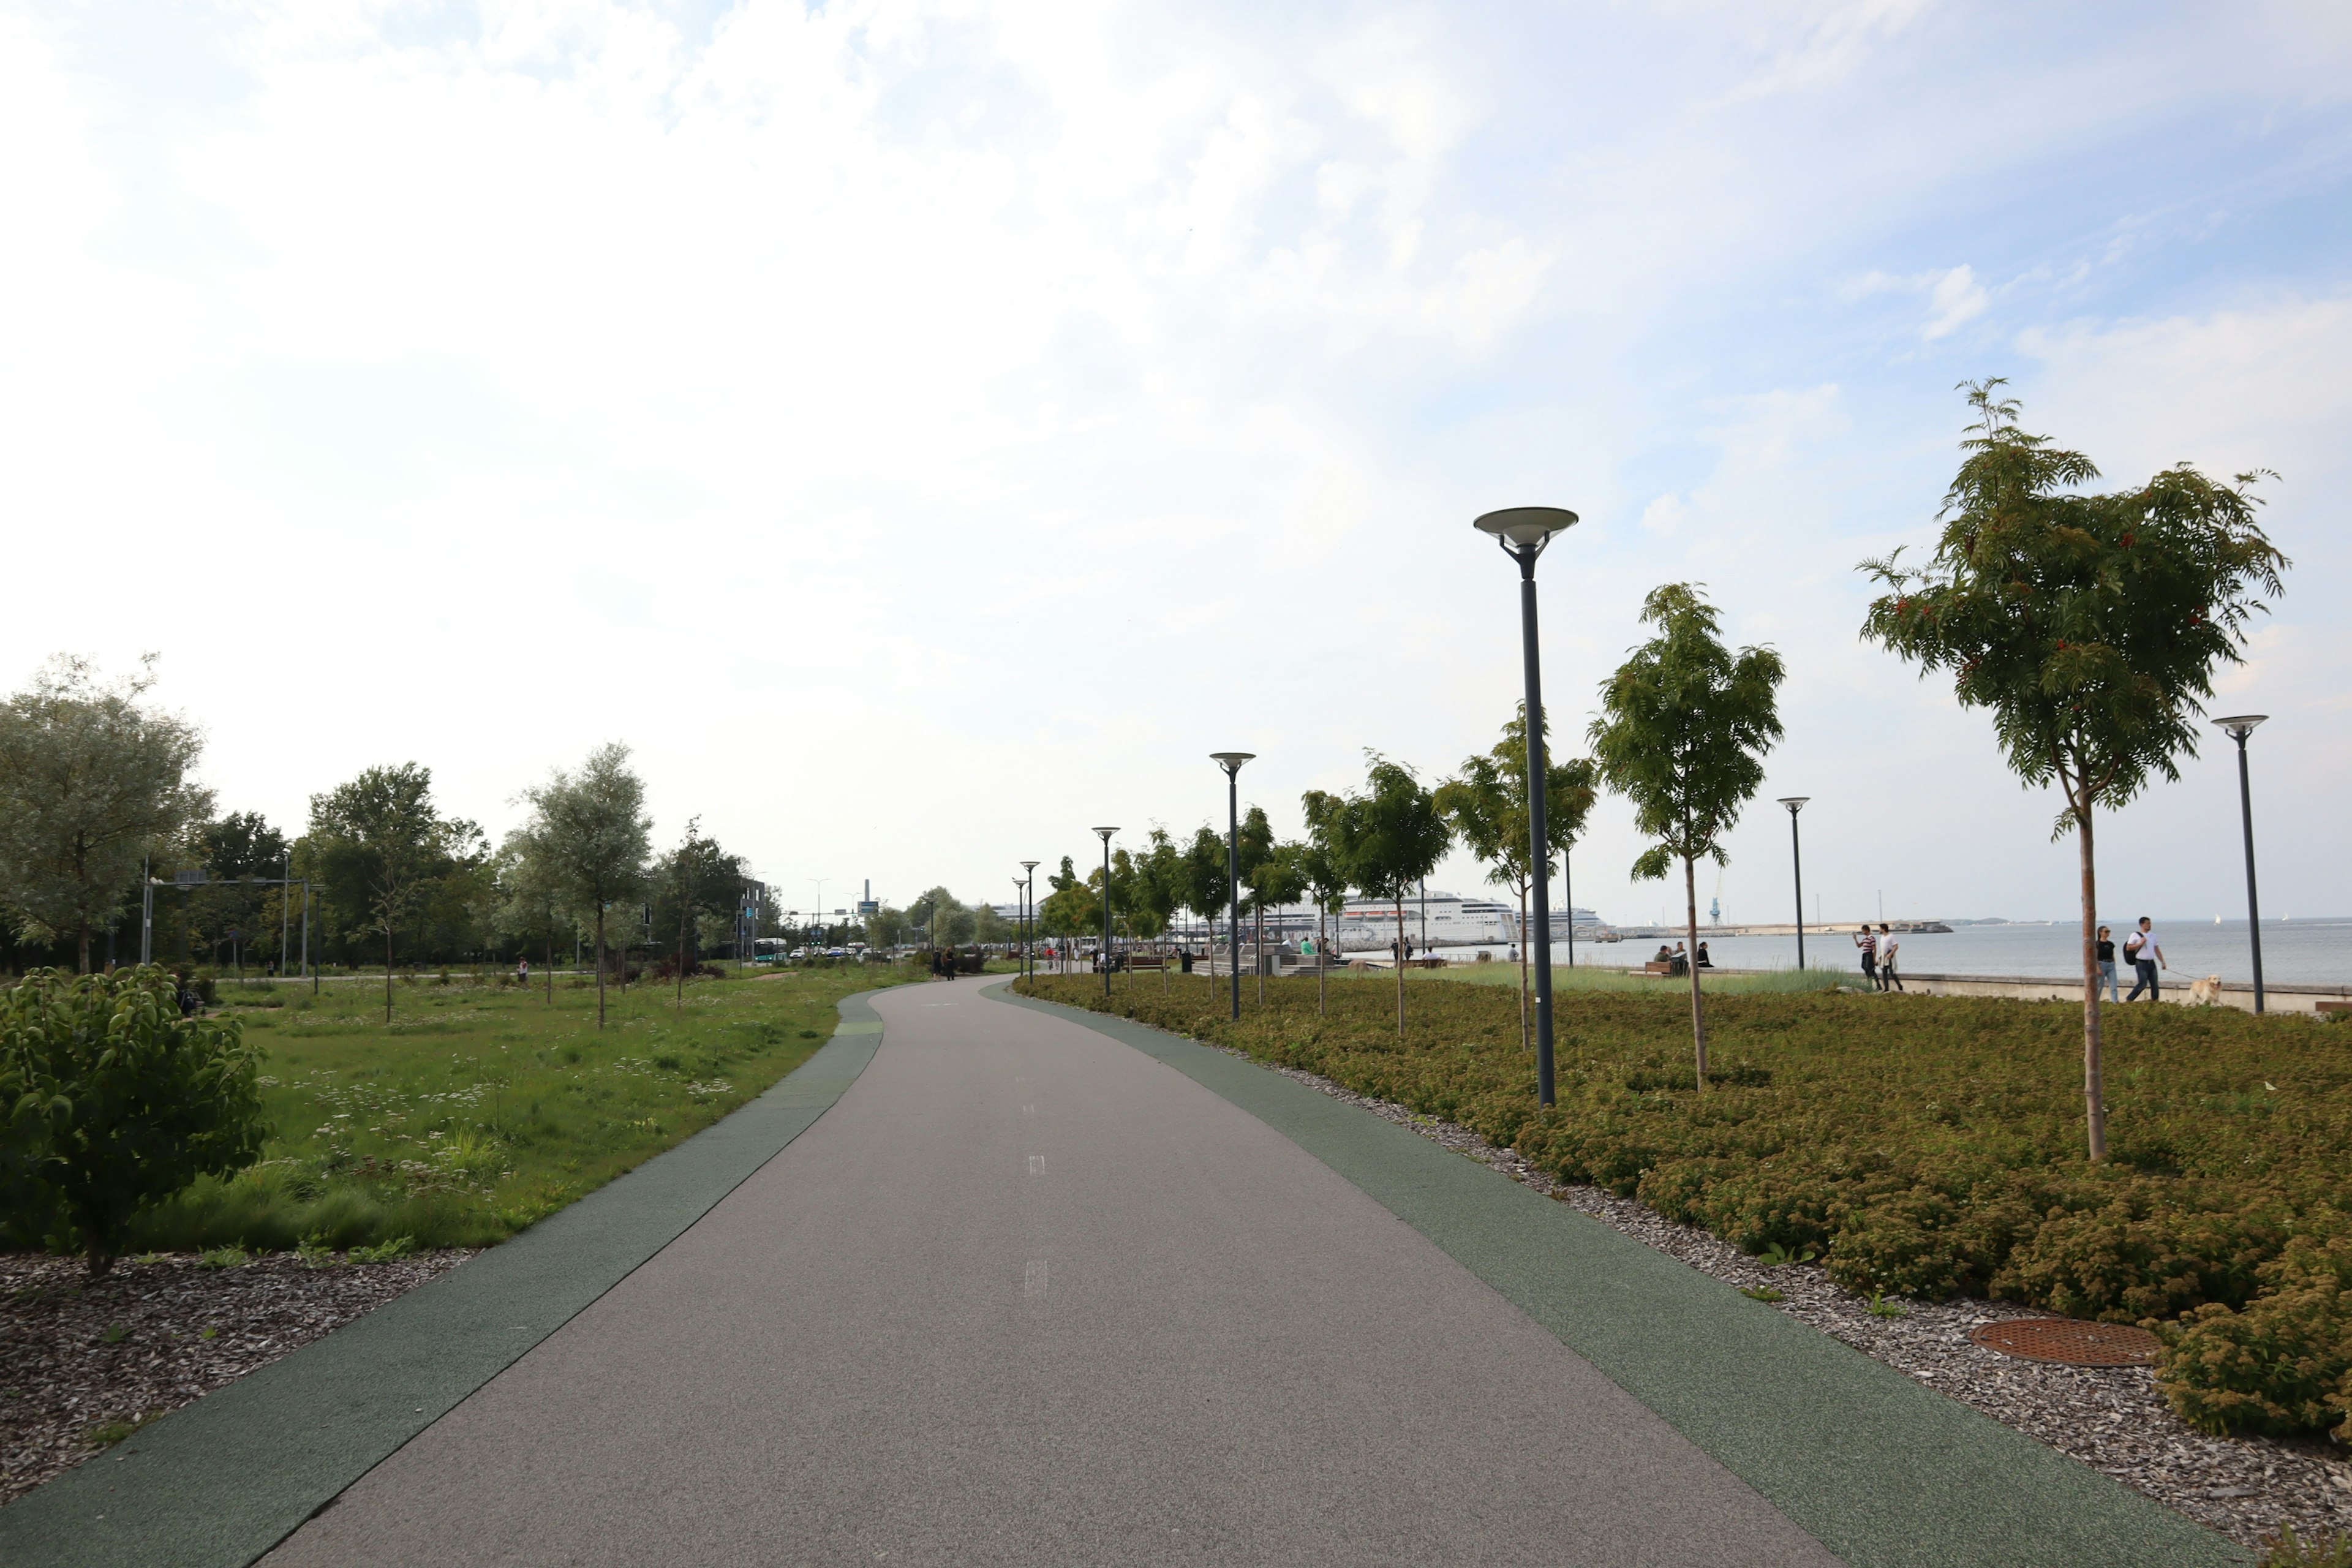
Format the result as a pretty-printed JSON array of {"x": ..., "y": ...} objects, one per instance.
[
  {"x": 1523, "y": 531},
  {"x": 1796, "y": 802},
  {"x": 2239, "y": 727},
  {"x": 1028, "y": 918},
  {"x": 1105, "y": 833},
  {"x": 1231, "y": 763},
  {"x": 820, "y": 882}
]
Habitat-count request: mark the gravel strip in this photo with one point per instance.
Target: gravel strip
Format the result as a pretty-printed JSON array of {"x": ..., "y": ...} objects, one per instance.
[
  {"x": 77, "y": 1354},
  {"x": 2111, "y": 1418}
]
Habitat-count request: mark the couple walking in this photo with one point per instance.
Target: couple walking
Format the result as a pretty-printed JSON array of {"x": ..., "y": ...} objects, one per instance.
[
  {"x": 2142, "y": 952},
  {"x": 1878, "y": 951}
]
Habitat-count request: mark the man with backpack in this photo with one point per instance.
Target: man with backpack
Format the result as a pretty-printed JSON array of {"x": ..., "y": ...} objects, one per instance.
[{"x": 2146, "y": 953}]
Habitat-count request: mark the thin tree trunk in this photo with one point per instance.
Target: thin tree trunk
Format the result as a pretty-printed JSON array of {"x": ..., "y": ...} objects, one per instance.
[
  {"x": 387, "y": 969},
  {"x": 1698, "y": 1007},
  {"x": 550, "y": 958},
  {"x": 85, "y": 950},
  {"x": 600, "y": 965},
  {"x": 1400, "y": 961},
  {"x": 2095, "y": 1087},
  {"x": 1322, "y": 963},
  {"x": 1257, "y": 919},
  {"x": 1525, "y": 1042},
  {"x": 680, "y": 1003}
]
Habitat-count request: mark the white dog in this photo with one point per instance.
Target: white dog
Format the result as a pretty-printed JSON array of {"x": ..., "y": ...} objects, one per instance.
[{"x": 2205, "y": 992}]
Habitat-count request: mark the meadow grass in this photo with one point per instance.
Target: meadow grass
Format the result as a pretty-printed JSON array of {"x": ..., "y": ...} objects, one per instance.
[
  {"x": 1586, "y": 977},
  {"x": 483, "y": 1108}
]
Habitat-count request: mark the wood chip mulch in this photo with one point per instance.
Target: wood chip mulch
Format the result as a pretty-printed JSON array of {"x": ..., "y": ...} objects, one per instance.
[
  {"x": 79, "y": 1355},
  {"x": 2112, "y": 1418}
]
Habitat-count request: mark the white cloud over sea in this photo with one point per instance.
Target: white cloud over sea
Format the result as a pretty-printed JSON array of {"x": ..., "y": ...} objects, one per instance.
[{"x": 925, "y": 430}]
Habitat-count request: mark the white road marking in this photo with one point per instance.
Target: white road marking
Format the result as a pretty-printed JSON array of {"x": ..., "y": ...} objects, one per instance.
[
  {"x": 1036, "y": 1165},
  {"x": 1028, "y": 1110},
  {"x": 1032, "y": 1278}
]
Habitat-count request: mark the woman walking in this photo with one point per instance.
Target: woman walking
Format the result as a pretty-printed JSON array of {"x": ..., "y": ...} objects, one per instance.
[{"x": 2107, "y": 964}]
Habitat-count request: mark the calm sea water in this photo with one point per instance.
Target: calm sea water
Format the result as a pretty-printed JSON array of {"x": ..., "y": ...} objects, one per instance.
[{"x": 2304, "y": 952}]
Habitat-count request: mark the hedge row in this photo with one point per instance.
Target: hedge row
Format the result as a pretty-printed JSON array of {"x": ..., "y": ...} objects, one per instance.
[{"x": 1924, "y": 1146}]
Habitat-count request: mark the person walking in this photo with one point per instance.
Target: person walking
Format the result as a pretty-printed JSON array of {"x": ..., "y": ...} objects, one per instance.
[
  {"x": 1868, "y": 939},
  {"x": 1888, "y": 947},
  {"x": 2146, "y": 955},
  {"x": 2107, "y": 964}
]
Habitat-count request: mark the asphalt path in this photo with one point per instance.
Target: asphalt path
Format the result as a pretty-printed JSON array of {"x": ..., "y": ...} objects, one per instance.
[{"x": 1027, "y": 1295}]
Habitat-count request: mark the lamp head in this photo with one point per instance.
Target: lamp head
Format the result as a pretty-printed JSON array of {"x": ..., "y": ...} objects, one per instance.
[
  {"x": 1029, "y": 865},
  {"x": 1231, "y": 761},
  {"x": 1528, "y": 527},
  {"x": 1106, "y": 833},
  {"x": 1795, "y": 803},
  {"x": 2241, "y": 725}
]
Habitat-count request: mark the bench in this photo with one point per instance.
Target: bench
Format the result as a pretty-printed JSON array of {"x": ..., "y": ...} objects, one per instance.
[
  {"x": 1658, "y": 966},
  {"x": 1146, "y": 961}
]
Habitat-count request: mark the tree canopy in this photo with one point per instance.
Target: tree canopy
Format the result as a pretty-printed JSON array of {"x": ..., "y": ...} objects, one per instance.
[{"x": 592, "y": 830}]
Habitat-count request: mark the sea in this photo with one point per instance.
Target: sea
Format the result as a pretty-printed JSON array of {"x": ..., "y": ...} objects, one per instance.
[{"x": 2294, "y": 950}]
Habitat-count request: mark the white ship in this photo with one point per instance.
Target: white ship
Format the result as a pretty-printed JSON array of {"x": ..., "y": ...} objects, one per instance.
[{"x": 1440, "y": 919}]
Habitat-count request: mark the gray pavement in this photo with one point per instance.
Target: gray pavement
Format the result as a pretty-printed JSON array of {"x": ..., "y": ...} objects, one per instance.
[{"x": 1027, "y": 1295}]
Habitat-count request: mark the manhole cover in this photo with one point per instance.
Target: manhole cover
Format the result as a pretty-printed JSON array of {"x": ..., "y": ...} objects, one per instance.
[{"x": 2068, "y": 1340}]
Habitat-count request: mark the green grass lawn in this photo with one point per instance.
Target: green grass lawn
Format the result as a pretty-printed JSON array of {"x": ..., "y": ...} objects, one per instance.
[{"x": 481, "y": 1108}]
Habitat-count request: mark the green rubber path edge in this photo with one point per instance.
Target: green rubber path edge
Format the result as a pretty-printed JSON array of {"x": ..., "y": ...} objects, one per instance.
[
  {"x": 217, "y": 1483},
  {"x": 1883, "y": 1471}
]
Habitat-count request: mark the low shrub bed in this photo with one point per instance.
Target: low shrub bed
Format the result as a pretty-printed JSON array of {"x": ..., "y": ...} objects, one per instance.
[{"x": 1925, "y": 1146}]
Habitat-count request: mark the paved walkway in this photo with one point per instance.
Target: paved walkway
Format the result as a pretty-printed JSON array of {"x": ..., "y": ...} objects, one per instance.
[
  {"x": 1026, "y": 1296},
  {"x": 1030, "y": 1286}
]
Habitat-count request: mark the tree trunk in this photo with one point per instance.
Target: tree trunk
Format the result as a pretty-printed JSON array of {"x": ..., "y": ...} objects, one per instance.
[
  {"x": 680, "y": 1003},
  {"x": 600, "y": 965},
  {"x": 2095, "y": 1087},
  {"x": 1257, "y": 919},
  {"x": 1400, "y": 961},
  {"x": 1699, "y": 1007},
  {"x": 1322, "y": 963},
  {"x": 387, "y": 969},
  {"x": 1527, "y": 1043},
  {"x": 85, "y": 950},
  {"x": 550, "y": 958}
]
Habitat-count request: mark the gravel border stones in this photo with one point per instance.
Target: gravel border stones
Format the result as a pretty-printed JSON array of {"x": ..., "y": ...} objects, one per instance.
[
  {"x": 2111, "y": 1418},
  {"x": 157, "y": 1333}
]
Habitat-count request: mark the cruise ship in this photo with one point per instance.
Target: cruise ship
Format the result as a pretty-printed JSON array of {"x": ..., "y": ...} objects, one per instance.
[{"x": 1435, "y": 920}]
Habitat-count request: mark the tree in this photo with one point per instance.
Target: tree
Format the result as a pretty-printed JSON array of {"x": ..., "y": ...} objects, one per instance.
[
  {"x": 1487, "y": 804},
  {"x": 1158, "y": 889},
  {"x": 698, "y": 880},
  {"x": 91, "y": 781},
  {"x": 596, "y": 834},
  {"x": 1203, "y": 881},
  {"x": 239, "y": 845},
  {"x": 2089, "y": 625},
  {"x": 530, "y": 897},
  {"x": 1322, "y": 871},
  {"x": 377, "y": 840},
  {"x": 1069, "y": 909},
  {"x": 1256, "y": 845},
  {"x": 1388, "y": 839},
  {"x": 1684, "y": 727},
  {"x": 141, "y": 1101}
]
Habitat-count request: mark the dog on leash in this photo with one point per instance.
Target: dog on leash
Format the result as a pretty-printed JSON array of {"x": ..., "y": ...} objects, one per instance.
[{"x": 2205, "y": 992}]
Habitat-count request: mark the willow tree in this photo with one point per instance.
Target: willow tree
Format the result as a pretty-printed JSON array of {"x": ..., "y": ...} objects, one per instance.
[
  {"x": 1487, "y": 804},
  {"x": 1684, "y": 727},
  {"x": 2089, "y": 625}
]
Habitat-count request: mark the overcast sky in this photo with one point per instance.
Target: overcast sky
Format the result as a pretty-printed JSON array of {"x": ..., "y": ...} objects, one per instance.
[{"x": 924, "y": 431}]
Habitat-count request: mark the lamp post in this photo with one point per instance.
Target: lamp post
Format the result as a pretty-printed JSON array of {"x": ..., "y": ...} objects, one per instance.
[
  {"x": 1028, "y": 918},
  {"x": 1105, "y": 833},
  {"x": 1796, "y": 802},
  {"x": 2238, "y": 728},
  {"x": 1523, "y": 531},
  {"x": 1231, "y": 763}
]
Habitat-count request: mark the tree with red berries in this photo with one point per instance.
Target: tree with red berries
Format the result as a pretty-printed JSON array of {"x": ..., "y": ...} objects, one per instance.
[{"x": 2089, "y": 625}]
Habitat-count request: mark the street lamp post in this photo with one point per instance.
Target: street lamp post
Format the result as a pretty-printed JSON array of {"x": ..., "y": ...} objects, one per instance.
[
  {"x": 1028, "y": 919},
  {"x": 1231, "y": 763},
  {"x": 2238, "y": 728},
  {"x": 1105, "y": 834},
  {"x": 1523, "y": 531},
  {"x": 1796, "y": 802}
]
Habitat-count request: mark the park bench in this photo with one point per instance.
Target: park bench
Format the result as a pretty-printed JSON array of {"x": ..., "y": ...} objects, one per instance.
[
  {"x": 1658, "y": 966},
  {"x": 1146, "y": 961}
]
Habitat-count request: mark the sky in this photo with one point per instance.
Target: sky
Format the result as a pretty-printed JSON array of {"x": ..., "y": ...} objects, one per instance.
[{"x": 925, "y": 431}]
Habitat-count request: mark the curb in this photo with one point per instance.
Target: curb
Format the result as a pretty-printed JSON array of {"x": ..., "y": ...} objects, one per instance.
[{"x": 219, "y": 1482}]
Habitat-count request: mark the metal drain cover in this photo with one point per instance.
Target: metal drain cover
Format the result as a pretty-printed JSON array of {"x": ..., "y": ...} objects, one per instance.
[{"x": 2070, "y": 1340}]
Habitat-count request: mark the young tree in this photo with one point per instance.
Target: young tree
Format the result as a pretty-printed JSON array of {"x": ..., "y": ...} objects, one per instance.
[
  {"x": 698, "y": 880},
  {"x": 2089, "y": 625},
  {"x": 1487, "y": 804},
  {"x": 376, "y": 840},
  {"x": 594, "y": 832},
  {"x": 1069, "y": 910},
  {"x": 1322, "y": 872},
  {"x": 531, "y": 900},
  {"x": 91, "y": 781},
  {"x": 139, "y": 1102},
  {"x": 1158, "y": 889},
  {"x": 1207, "y": 888},
  {"x": 1684, "y": 729},
  {"x": 1389, "y": 837},
  {"x": 1253, "y": 845}
]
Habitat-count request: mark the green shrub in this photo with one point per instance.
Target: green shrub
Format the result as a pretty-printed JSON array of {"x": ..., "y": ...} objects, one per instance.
[
  {"x": 2131, "y": 1260},
  {"x": 399, "y": 1246},
  {"x": 139, "y": 1101},
  {"x": 2280, "y": 1365}
]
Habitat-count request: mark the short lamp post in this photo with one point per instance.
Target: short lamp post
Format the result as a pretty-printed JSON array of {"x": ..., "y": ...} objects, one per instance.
[
  {"x": 1028, "y": 919},
  {"x": 1231, "y": 763},
  {"x": 2238, "y": 728},
  {"x": 1105, "y": 833},
  {"x": 1523, "y": 531},
  {"x": 1796, "y": 802}
]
